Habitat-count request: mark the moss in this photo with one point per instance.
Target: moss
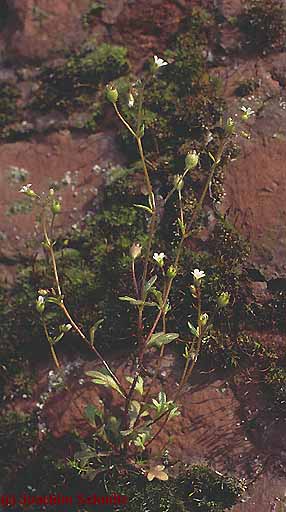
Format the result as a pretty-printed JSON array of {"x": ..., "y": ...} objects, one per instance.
[
  {"x": 228, "y": 351},
  {"x": 196, "y": 488},
  {"x": 275, "y": 388},
  {"x": 223, "y": 261},
  {"x": 263, "y": 23},
  {"x": 75, "y": 82},
  {"x": 18, "y": 435},
  {"x": 92, "y": 124},
  {"x": 19, "y": 207},
  {"x": 92, "y": 13},
  {"x": 266, "y": 315},
  {"x": 8, "y": 104}
]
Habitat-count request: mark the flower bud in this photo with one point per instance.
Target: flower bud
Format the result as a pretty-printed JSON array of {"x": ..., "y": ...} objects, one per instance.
[
  {"x": 230, "y": 126},
  {"x": 193, "y": 290},
  {"x": 131, "y": 100},
  {"x": 40, "y": 304},
  {"x": 245, "y": 135},
  {"x": 65, "y": 328},
  {"x": 111, "y": 94},
  {"x": 56, "y": 207},
  {"x": 204, "y": 319},
  {"x": 191, "y": 160},
  {"x": 135, "y": 251},
  {"x": 223, "y": 299},
  {"x": 43, "y": 292},
  {"x": 178, "y": 182},
  {"x": 171, "y": 272}
]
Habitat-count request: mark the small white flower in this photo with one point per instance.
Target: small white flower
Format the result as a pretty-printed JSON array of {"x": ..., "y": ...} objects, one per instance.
[
  {"x": 198, "y": 274},
  {"x": 247, "y": 112},
  {"x": 26, "y": 189},
  {"x": 159, "y": 258},
  {"x": 130, "y": 100},
  {"x": 159, "y": 62},
  {"x": 41, "y": 299}
]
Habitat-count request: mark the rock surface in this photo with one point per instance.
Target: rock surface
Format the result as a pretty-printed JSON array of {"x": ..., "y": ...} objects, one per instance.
[
  {"x": 35, "y": 30},
  {"x": 256, "y": 190}
]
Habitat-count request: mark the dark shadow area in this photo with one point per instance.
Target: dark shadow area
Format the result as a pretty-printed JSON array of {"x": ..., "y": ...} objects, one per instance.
[{"x": 5, "y": 13}]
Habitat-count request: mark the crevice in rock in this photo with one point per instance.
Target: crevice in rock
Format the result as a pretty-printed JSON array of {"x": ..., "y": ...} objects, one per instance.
[
  {"x": 255, "y": 275},
  {"x": 277, "y": 285}
]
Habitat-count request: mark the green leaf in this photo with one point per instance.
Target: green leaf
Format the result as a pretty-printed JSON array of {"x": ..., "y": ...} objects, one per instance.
[
  {"x": 136, "y": 302},
  {"x": 104, "y": 379},
  {"x": 93, "y": 329},
  {"x": 162, "y": 397},
  {"x": 55, "y": 300},
  {"x": 132, "y": 301},
  {"x": 193, "y": 330},
  {"x": 58, "y": 338},
  {"x": 126, "y": 433},
  {"x": 160, "y": 338},
  {"x": 149, "y": 284},
  {"x": 158, "y": 296},
  {"x": 174, "y": 412},
  {"x": 139, "y": 384},
  {"x": 134, "y": 410},
  {"x": 182, "y": 227},
  {"x": 91, "y": 413}
]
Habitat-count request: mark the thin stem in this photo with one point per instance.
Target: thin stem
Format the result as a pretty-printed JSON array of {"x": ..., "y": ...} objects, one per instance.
[
  {"x": 148, "y": 252},
  {"x": 157, "y": 319},
  {"x": 52, "y": 226},
  {"x": 134, "y": 278},
  {"x": 181, "y": 207},
  {"x": 206, "y": 187},
  {"x": 124, "y": 122},
  {"x": 54, "y": 355},
  {"x": 49, "y": 245},
  {"x": 159, "y": 362},
  {"x": 84, "y": 338},
  {"x": 175, "y": 187},
  {"x": 139, "y": 117},
  {"x": 194, "y": 357},
  {"x": 148, "y": 182}
]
